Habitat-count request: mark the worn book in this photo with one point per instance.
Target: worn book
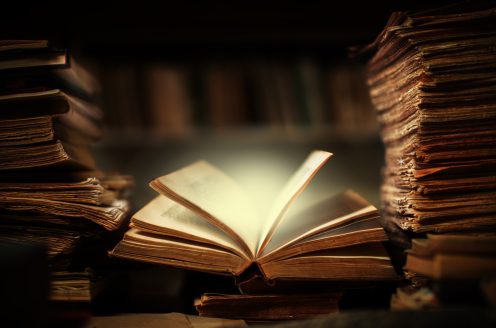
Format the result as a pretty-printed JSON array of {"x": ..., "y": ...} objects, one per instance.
[
  {"x": 37, "y": 64},
  {"x": 75, "y": 286},
  {"x": 453, "y": 256},
  {"x": 203, "y": 220},
  {"x": 70, "y": 111},
  {"x": 267, "y": 307},
  {"x": 40, "y": 129},
  {"x": 57, "y": 154},
  {"x": 34, "y": 130},
  {"x": 98, "y": 200},
  {"x": 30, "y": 53}
]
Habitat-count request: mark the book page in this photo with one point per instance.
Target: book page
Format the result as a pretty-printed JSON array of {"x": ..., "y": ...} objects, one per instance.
[
  {"x": 164, "y": 216},
  {"x": 143, "y": 246},
  {"x": 216, "y": 197},
  {"x": 359, "y": 231},
  {"x": 326, "y": 214},
  {"x": 290, "y": 192}
]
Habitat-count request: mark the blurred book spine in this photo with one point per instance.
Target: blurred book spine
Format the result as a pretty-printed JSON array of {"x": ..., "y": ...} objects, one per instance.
[{"x": 294, "y": 96}]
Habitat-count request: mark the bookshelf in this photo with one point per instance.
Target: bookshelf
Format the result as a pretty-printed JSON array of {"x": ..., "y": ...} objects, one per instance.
[
  {"x": 297, "y": 98},
  {"x": 281, "y": 65}
]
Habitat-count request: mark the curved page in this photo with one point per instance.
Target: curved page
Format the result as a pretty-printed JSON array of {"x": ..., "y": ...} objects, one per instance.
[
  {"x": 356, "y": 232},
  {"x": 364, "y": 262},
  {"x": 324, "y": 215},
  {"x": 166, "y": 217},
  {"x": 213, "y": 195},
  {"x": 290, "y": 192}
]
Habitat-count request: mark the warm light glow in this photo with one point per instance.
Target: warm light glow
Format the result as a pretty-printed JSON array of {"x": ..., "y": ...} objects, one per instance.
[{"x": 261, "y": 176}]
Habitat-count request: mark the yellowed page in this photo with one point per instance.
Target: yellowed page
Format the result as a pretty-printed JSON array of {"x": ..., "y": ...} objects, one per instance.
[
  {"x": 216, "y": 197},
  {"x": 324, "y": 215},
  {"x": 146, "y": 247},
  {"x": 365, "y": 262},
  {"x": 164, "y": 216},
  {"x": 290, "y": 192}
]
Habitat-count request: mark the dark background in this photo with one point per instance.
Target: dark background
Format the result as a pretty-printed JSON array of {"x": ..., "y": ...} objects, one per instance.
[
  {"x": 107, "y": 34},
  {"x": 145, "y": 30}
]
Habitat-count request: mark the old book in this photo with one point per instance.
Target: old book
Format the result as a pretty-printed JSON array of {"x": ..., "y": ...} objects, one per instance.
[
  {"x": 87, "y": 191},
  {"x": 169, "y": 101},
  {"x": 466, "y": 244},
  {"x": 66, "y": 199},
  {"x": 108, "y": 216},
  {"x": 203, "y": 220},
  {"x": 30, "y": 53},
  {"x": 46, "y": 154},
  {"x": 452, "y": 266},
  {"x": 31, "y": 64},
  {"x": 59, "y": 241},
  {"x": 75, "y": 286},
  {"x": 225, "y": 95},
  {"x": 453, "y": 256},
  {"x": 41, "y": 129},
  {"x": 70, "y": 111},
  {"x": 66, "y": 241},
  {"x": 267, "y": 307},
  {"x": 33, "y": 130}
]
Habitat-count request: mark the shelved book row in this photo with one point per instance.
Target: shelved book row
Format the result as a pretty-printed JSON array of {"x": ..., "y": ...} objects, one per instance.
[
  {"x": 432, "y": 80},
  {"x": 177, "y": 98},
  {"x": 52, "y": 193}
]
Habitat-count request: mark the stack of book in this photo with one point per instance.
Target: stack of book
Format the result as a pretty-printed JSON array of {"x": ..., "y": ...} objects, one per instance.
[
  {"x": 51, "y": 191},
  {"x": 288, "y": 266},
  {"x": 432, "y": 80}
]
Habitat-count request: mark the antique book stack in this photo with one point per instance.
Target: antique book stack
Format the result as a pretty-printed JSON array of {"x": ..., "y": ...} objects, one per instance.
[
  {"x": 51, "y": 191},
  {"x": 433, "y": 81},
  {"x": 288, "y": 266}
]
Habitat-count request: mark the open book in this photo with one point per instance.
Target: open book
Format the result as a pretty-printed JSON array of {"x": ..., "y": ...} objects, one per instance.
[{"x": 203, "y": 220}]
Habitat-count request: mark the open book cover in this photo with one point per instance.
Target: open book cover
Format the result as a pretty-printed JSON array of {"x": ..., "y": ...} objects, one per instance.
[{"x": 203, "y": 220}]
